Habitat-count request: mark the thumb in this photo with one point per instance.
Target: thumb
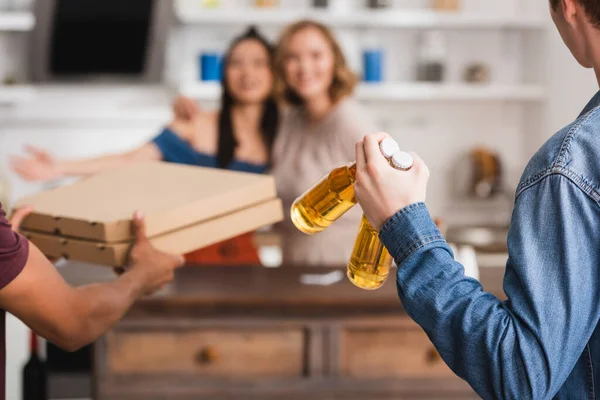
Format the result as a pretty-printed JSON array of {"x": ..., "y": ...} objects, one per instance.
[
  {"x": 418, "y": 163},
  {"x": 139, "y": 225},
  {"x": 180, "y": 259},
  {"x": 33, "y": 150},
  {"x": 18, "y": 216},
  {"x": 39, "y": 153}
]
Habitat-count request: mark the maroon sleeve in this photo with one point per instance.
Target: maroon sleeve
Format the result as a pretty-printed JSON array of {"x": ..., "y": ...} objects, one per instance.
[{"x": 14, "y": 250}]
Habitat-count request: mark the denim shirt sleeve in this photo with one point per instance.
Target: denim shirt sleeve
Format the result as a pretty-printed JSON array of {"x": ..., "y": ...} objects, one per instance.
[{"x": 524, "y": 347}]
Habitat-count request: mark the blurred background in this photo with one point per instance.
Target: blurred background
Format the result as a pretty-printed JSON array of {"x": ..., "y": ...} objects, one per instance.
[{"x": 465, "y": 83}]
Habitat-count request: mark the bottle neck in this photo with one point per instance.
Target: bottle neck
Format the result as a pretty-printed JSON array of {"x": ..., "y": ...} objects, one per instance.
[
  {"x": 33, "y": 344},
  {"x": 352, "y": 169}
]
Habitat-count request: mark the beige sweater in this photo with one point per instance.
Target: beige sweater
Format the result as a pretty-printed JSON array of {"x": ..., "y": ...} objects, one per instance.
[{"x": 303, "y": 154}]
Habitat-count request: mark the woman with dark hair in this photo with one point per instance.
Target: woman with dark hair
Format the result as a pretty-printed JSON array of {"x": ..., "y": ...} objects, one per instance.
[{"x": 238, "y": 137}]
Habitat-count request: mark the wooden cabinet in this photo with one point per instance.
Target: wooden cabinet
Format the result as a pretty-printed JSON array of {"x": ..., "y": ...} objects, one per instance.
[
  {"x": 258, "y": 333},
  {"x": 378, "y": 351},
  {"x": 233, "y": 353}
]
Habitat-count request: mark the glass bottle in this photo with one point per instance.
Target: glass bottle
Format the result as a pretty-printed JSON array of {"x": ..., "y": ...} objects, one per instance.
[
  {"x": 35, "y": 380},
  {"x": 331, "y": 198},
  {"x": 325, "y": 202},
  {"x": 431, "y": 61},
  {"x": 370, "y": 262}
]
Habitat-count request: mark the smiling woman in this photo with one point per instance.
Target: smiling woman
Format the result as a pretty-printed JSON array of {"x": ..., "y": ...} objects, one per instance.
[
  {"x": 317, "y": 134},
  {"x": 308, "y": 40}
]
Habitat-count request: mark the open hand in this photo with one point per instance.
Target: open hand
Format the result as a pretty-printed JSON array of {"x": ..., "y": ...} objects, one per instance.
[
  {"x": 185, "y": 108},
  {"x": 40, "y": 166}
]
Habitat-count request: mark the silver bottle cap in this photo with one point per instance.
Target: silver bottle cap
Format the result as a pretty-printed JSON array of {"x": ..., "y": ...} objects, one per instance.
[
  {"x": 402, "y": 160},
  {"x": 388, "y": 147}
]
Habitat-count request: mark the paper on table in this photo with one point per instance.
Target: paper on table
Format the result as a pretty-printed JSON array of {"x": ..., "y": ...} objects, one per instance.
[{"x": 322, "y": 279}]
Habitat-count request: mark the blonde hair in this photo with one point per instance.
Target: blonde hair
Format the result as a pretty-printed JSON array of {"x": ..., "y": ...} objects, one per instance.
[{"x": 344, "y": 80}]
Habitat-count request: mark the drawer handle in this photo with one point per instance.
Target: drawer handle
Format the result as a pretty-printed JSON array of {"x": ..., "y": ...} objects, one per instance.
[
  {"x": 433, "y": 357},
  {"x": 206, "y": 356}
]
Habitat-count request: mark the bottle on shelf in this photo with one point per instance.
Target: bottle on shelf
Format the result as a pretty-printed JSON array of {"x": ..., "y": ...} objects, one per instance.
[
  {"x": 320, "y": 3},
  {"x": 431, "y": 62},
  {"x": 211, "y": 3},
  {"x": 34, "y": 373},
  {"x": 373, "y": 58},
  {"x": 267, "y": 3},
  {"x": 378, "y": 3},
  {"x": 332, "y": 197},
  {"x": 446, "y": 5}
]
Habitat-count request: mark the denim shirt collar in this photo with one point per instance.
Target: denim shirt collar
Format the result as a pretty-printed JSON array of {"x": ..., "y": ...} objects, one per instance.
[{"x": 593, "y": 103}]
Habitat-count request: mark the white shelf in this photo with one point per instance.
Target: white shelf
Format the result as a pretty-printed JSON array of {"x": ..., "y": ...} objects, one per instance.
[
  {"x": 409, "y": 92},
  {"x": 201, "y": 90},
  {"x": 449, "y": 92},
  {"x": 423, "y": 19},
  {"x": 10, "y": 95},
  {"x": 16, "y": 21}
]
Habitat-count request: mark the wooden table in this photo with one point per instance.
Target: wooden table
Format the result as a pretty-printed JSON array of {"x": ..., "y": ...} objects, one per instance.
[{"x": 259, "y": 333}]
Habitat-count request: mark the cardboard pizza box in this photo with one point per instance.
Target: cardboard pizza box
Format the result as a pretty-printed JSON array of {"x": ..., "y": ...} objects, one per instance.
[
  {"x": 171, "y": 196},
  {"x": 180, "y": 241}
]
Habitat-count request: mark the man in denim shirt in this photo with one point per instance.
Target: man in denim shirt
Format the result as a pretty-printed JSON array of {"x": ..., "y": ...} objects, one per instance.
[{"x": 544, "y": 341}]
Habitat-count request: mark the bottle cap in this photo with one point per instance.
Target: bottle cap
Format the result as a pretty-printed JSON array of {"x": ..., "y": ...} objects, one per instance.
[
  {"x": 388, "y": 147},
  {"x": 402, "y": 160}
]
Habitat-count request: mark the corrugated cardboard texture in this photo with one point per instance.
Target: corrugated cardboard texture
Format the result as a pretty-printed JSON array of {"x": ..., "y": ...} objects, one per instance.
[
  {"x": 178, "y": 242},
  {"x": 171, "y": 196}
]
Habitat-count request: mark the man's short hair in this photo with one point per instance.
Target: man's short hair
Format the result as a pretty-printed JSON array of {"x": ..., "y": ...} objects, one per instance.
[{"x": 592, "y": 9}]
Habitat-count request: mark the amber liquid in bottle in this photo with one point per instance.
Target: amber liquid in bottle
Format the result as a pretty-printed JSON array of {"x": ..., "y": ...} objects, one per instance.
[
  {"x": 370, "y": 262},
  {"x": 326, "y": 201}
]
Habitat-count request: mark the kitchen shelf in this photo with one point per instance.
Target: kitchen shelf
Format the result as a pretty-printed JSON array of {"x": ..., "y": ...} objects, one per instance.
[
  {"x": 16, "y": 21},
  {"x": 417, "y": 19},
  {"x": 409, "y": 92},
  {"x": 449, "y": 92},
  {"x": 10, "y": 95}
]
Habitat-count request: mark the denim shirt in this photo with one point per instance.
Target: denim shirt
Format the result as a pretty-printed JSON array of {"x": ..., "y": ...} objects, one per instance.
[{"x": 544, "y": 341}]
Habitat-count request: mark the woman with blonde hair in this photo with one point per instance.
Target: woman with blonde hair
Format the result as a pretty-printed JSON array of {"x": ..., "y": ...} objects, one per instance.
[{"x": 318, "y": 132}]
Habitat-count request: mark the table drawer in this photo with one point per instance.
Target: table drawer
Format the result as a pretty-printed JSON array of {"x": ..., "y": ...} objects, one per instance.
[
  {"x": 226, "y": 353},
  {"x": 375, "y": 353}
]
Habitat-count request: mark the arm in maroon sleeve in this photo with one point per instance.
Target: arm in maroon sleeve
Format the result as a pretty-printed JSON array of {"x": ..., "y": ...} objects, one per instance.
[
  {"x": 14, "y": 251},
  {"x": 33, "y": 290}
]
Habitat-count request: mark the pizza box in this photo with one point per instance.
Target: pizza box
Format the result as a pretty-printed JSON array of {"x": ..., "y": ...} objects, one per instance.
[
  {"x": 171, "y": 196},
  {"x": 180, "y": 241}
]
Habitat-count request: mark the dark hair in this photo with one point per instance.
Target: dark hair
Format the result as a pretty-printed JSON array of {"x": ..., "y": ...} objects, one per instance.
[
  {"x": 592, "y": 9},
  {"x": 270, "y": 119}
]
